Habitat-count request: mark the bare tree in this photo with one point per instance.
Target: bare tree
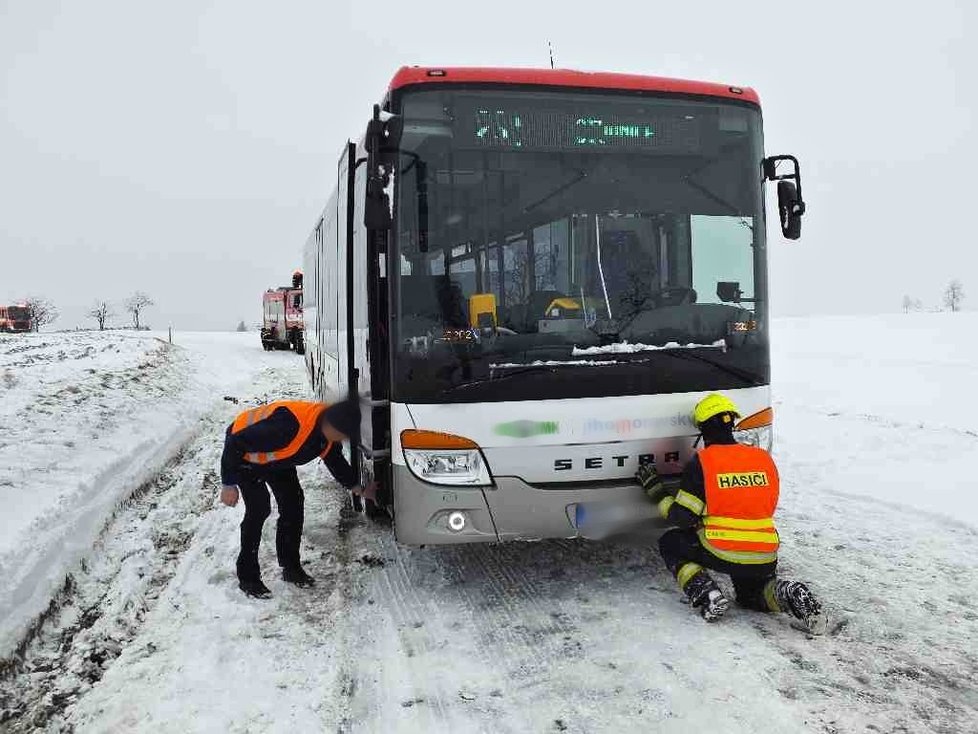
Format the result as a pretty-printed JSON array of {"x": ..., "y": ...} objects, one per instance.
[
  {"x": 40, "y": 312},
  {"x": 242, "y": 326},
  {"x": 136, "y": 304},
  {"x": 101, "y": 311},
  {"x": 912, "y": 304},
  {"x": 954, "y": 295}
]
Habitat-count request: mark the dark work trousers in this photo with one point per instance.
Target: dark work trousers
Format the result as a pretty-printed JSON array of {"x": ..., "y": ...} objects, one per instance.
[
  {"x": 681, "y": 545},
  {"x": 284, "y": 484}
]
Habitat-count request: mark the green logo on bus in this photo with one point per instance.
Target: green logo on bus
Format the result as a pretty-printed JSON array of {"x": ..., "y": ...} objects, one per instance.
[{"x": 526, "y": 429}]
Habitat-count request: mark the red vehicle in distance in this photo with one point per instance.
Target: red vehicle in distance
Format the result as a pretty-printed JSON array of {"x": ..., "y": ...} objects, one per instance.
[
  {"x": 282, "y": 317},
  {"x": 15, "y": 319}
]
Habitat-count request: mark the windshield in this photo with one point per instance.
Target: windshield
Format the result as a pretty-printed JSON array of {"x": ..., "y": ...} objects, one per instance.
[
  {"x": 17, "y": 313},
  {"x": 598, "y": 244}
]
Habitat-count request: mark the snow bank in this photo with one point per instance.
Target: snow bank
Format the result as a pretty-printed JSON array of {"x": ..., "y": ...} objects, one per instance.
[{"x": 85, "y": 419}]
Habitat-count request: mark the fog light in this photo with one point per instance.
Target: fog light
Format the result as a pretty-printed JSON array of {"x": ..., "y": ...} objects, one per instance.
[{"x": 456, "y": 521}]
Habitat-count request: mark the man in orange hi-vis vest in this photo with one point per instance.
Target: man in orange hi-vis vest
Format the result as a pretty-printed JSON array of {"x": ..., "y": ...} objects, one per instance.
[
  {"x": 262, "y": 448},
  {"x": 724, "y": 513}
]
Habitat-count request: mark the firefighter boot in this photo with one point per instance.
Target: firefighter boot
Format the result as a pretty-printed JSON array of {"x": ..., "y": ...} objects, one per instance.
[
  {"x": 297, "y": 575},
  {"x": 797, "y": 600},
  {"x": 704, "y": 595}
]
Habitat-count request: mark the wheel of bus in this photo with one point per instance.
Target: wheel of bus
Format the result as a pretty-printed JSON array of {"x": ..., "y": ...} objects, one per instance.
[
  {"x": 300, "y": 345},
  {"x": 377, "y": 509},
  {"x": 375, "y": 512}
]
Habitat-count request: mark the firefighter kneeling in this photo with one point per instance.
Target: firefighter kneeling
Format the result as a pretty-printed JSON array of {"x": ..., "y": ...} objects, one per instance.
[{"x": 724, "y": 513}]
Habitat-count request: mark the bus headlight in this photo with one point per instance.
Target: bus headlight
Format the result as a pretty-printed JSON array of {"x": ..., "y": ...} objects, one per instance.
[
  {"x": 762, "y": 438},
  {"x": 441, "y": 458},
  {"x": 756, "y": 430}
]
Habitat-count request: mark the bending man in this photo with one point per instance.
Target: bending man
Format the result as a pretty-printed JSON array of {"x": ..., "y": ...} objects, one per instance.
[{"x": 262, "y": 448}]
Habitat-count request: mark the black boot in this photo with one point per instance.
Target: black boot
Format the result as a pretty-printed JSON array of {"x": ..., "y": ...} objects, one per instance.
[
  {"x": 797, "y": 600},
  {"x": 297, "y": 575},
  {"x": 254, "y": 588},
  {"x": 704, "y": 595}
]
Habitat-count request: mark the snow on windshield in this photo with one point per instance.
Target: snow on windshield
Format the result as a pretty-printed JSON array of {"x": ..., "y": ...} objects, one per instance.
[
  {"x": 626, "y": 347},
  {"x": 553, "y": 363}
]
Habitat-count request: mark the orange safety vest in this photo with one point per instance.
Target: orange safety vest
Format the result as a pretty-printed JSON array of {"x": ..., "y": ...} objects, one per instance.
[
  {"x": 308, "y": 414},
  {"x": 742, "y": 489}
]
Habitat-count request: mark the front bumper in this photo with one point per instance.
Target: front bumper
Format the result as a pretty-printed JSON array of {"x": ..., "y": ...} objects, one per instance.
[{"x": 510, "y": 509}]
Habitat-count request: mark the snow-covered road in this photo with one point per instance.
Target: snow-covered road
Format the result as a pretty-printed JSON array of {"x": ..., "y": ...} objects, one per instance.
[{"x": 557, "y": 636}]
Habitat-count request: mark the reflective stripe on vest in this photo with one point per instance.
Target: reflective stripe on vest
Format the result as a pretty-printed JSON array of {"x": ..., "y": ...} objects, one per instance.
[
  {"x": 308, "y": 415},
  {"x": 742, "y": 489}
]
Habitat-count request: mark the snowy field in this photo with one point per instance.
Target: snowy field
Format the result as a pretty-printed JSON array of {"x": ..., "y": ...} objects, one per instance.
[{"x": 111, "y": 479}]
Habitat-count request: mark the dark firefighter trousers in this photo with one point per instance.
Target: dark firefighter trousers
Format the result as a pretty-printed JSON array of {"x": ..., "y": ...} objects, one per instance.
[
  {"x": 681, "y": 546},
  {"x": 284, "y": 484}
]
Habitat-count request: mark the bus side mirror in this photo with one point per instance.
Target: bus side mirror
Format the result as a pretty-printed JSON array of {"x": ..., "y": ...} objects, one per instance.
[
  {"x": 376, "y": 207},
  {"x": 729, "y": 291},
  {"x": 790, "y": 209},
  {"x": 791, "y": 206}
]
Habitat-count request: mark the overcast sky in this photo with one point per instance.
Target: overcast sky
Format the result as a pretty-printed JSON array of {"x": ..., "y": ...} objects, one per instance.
[{"x": 185, "y": 147}]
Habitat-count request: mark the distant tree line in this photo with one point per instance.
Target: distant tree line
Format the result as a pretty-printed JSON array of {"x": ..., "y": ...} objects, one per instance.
[
  {"x": 952, "y": 298},
  {"x": 42, "y": 312},
  {"x": 102, "y": 311}
]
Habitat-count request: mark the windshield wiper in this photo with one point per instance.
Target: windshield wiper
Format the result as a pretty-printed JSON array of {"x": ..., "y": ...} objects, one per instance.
[
  {"x": 581, "y": 175},
  {"x": 688, "y": 180},
  {"x": 502, "y": 376},
  {"x": 744, "y": 375}
]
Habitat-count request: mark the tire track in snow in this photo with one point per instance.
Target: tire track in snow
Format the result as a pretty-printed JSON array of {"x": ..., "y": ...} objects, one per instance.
[{"x": 501, "y": 620}]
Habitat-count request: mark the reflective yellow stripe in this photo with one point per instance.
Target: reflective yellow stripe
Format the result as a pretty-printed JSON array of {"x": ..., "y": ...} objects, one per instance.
[
  {"x": 686, "y": 572},
  {"x": 690, "y": 501},
  {"x": 736, "y": 522},
  {"x": 750, "y": 536},
  {"x": 772, "y": 601},
  {"x": 665, "y": 504},
  {"x": 747, "y": 557}
]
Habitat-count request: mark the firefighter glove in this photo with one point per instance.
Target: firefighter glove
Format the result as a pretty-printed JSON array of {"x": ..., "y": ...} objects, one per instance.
[{"x": 649, "y": 478}]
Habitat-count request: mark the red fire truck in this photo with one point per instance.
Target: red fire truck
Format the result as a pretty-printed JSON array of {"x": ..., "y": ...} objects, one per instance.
[
  {"x": 15, "y": 318},
  {"x": 282, "y": 319}
]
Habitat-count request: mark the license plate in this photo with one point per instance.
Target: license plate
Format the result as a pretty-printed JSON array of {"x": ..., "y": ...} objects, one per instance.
[{"x": 601, "y": 515}]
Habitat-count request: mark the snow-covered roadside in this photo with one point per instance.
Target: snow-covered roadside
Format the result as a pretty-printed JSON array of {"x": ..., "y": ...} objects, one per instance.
[
  {"x": 85, "y": 419},
  {"x": 883, "y": 407}
]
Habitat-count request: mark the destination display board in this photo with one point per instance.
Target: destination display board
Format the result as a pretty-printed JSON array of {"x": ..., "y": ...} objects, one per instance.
[{"x": 520, "y": 125}]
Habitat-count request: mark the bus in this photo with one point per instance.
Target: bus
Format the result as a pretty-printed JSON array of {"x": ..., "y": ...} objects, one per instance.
[{"x": 529, "y": 278}]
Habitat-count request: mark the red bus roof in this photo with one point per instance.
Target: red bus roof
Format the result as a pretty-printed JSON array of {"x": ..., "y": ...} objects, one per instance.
[{"x": 408, "y": 75}]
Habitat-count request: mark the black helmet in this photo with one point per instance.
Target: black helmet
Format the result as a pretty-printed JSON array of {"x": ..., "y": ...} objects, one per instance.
[{"x": 344, "y": 417}]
